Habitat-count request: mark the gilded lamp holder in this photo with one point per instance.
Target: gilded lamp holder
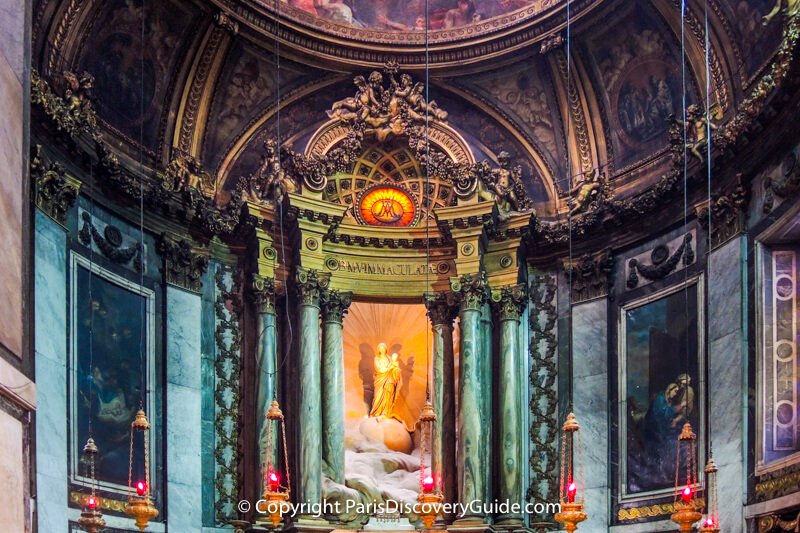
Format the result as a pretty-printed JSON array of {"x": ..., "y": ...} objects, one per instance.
[
  {"x": 430, "y": 499},
  {"x": 275, "y": 498},
  {"x": 686, "y": 514},
  {"x": 140, "y": 507},
  {"x": 571, "y": 513},
  {"x": 91, "y": 519}
]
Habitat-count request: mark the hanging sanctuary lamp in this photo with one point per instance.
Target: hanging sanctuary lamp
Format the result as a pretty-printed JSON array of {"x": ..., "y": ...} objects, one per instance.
[
  {"x": 686, "y": 502},
  {"x": 430, "y": 496},
  {"x": 275, "y": 497},
  {"x": 91, "y": 519},
  {"x": 140, "y": 505},
  {"x": 572, "y": 512},
  {"x": 710, "y": 523}
]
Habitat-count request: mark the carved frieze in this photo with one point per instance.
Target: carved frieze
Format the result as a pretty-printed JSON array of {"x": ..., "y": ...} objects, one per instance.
[
  {"x": 183, "y": 267},
  {"x": 56, "y": 191},
  {"x": 442, "y": 308},
  {"x": 110, "y": 241},
  {"x": 509, "y": 302},
  {"x": 778, "y": 483},
  {"x": 471, "y": 289},
  {"x": 590, "y": 276},
  {"x": 334, "y": 305},
  {"x": 660, "y": 262}
]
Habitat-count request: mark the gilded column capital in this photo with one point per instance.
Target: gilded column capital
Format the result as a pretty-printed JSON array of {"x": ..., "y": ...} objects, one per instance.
[
  {"x": 471, "y": 290},
  {"x": 334, "y": 305},
  {"x": 509, "y": 302},
  {"x": 442, "y": 308},
  {"x": 261, "y": 293},
  {"x": 183, "y": 267},
  {"x": 309, "y": 283}
]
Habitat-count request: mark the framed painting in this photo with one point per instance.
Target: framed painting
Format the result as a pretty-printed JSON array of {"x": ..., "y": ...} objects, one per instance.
[
  {"x": 111, "y": 323},
  {"x": 661, "y": 385}
]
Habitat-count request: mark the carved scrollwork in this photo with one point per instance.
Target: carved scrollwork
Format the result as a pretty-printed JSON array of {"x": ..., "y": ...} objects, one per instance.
[
  {"x": 309, "y": 284},
  {"x": 509, "y": 302},
  {"x": 727, "y": 212},
  {"x": 72, "y": 112},
  {"x": 662, "y": 263},
  {"x": 185, "y": 174},
  {"x": 110, "y": 243},
  {"x": 261, "y": 293},
  {"x": 334, "y": 305},
  {"x": 442, "y": 308},
  {"x": 182, "y": 266},
  {"x": 471, "y": 290},
  {"x": 590, "y": 277}
]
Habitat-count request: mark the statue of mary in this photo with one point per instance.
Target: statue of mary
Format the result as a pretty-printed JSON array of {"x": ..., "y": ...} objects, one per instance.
[{"x": 386, "y": 380}]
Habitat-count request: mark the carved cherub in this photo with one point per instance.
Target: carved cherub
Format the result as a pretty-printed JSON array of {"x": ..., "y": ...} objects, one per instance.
[
  {"x": 78, "y": 92},
  {"x": 790, "y": 7},
  {"x": 418, "y": 107},
  {"x": 500, "y": 185},
  {"x": 185, "y": 173},
  {"x": 586, "y": 191},
  {"x": 698, "y": 124},
  {"x": 352, "y": 107},
  {"x": 270, "y": 182}
]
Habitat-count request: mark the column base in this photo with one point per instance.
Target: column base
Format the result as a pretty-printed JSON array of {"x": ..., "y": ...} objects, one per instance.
[
  {"x": 508, "y": 523},
  {"x": 472, "y": 524}
]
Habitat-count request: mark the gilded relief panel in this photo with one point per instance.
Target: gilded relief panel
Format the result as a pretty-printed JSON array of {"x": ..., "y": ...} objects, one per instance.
[{"x": 133, "y": 67}]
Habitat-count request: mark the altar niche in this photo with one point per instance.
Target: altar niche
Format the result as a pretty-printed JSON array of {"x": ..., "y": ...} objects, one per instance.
[{"x": 386, "y": 367}]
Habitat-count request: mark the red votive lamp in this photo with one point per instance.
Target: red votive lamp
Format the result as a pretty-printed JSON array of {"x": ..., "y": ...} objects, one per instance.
[
  {"x": 709, "y": 522},
  {"x": 427, "y": 484},
  {"x": 274, "y": 481},
  {"x": 141, "y": 488},
  {"x": 686, "y": 495},
  {"x": 91, "y": 503},
  {"x": 572, "y": 490}
]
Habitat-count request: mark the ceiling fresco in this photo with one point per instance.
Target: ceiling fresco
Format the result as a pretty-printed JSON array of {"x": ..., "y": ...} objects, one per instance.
[
  {"x": 626, "y": 72},
  {"x": 409, "y": 15},
  {"x": 135, "y": 77},
  {"x": 639, "y": 77}
]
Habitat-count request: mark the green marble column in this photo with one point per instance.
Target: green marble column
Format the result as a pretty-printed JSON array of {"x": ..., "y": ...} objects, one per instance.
[
  {"x": 508, "y": 304},
  {"x": 308, "y": 284},
  {"x": 261, "y": 294},
  {"x": 334, "y": 307},
  {"x": 442, "y": 312},
  {"x": 472, "y": 476}
]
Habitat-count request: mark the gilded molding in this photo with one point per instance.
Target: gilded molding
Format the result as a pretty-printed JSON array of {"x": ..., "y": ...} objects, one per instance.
[
  {"x": 59, "y": 34},
  {"x": 509, "y": 302},
  {"x": 653, "y": 511},
  {"x": 442, "y": 308},
  {"x": 575, "y": 105},
  {"x": 471, "y": 290},
  {"x": 334, "y": 305},
  {"x": 779, "y": 483},
  {"x": 56, "y": 192},
  {"x": 183, "y": 267},
  {"x": 72, "y": 112},
  {"x": 107, "y": 504}
]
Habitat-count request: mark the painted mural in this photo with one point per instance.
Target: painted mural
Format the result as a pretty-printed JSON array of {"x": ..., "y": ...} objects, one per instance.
[
  {"x": 642, "y": 82},
  {"x": 132, "y": 76},
  {"x": 245, "y": 88},
  {"x": 108, "y": 338},
  {"x": 756, "y": 38},
  {"x": 409, "y": 15},
  {"x": 526, "y": 93},
  {"x": 660, "y": 387}
]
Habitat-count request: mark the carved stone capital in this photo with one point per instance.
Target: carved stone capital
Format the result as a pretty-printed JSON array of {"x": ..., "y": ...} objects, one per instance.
[
  {"x": 725, "y": 215},
  {"x": 335, "y": 305},
  {"x": 224, "y": 21},
  {"x": 308, "y": 284},
  {"x": 442, "y": 308},
  {"x": 261, "y": 293},
  {"x": 590, "y": 276},
  {"x": 182, "y": 266},
  {"x": 509, "y": 302},
  {"x": 56, "y": 192},
  {"x": 471, "y": 291}
]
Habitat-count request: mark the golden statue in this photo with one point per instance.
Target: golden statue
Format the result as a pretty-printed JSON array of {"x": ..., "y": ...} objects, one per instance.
[
  {"x": 791, "y": 9},
  {"x": 386, "y": 380}
]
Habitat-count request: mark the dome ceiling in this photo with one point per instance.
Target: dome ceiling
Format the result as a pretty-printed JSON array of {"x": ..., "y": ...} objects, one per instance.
[{"x": 203, "y": 81}]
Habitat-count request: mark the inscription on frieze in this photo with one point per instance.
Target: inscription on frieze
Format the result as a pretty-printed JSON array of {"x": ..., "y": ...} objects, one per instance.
[{"x": 389, "y": 269}]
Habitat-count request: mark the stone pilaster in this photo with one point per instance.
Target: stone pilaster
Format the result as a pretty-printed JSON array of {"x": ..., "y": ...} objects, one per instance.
[
  {"x": 183, "y": 267},
  {"x": 309, "y": 285},
  {"x": 442, "y": 310},
  {"x": 509, "y": 304},
  {"x": 471, "y": 291},
  {"x": 334, "y": 308}
]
